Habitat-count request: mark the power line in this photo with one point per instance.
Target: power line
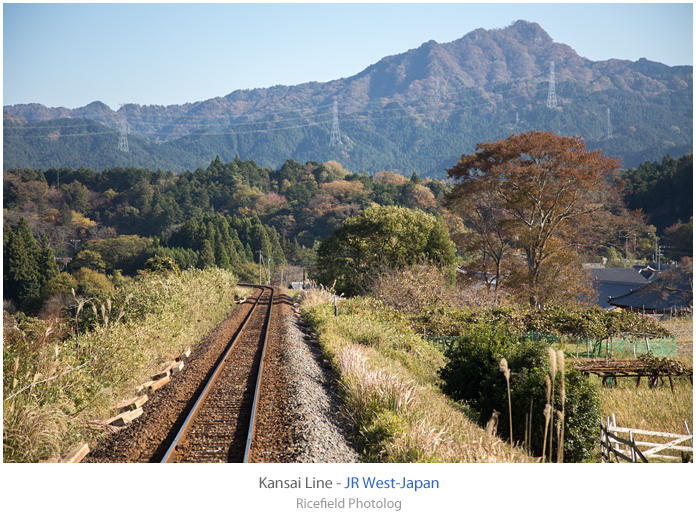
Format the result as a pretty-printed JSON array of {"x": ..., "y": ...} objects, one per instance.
[
  {"x": 335, "y": 134},
  {"x": 381, "y": 103}
]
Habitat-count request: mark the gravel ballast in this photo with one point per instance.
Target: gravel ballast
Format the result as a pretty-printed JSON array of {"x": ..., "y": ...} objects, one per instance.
[{"x": 320, "y": 436}]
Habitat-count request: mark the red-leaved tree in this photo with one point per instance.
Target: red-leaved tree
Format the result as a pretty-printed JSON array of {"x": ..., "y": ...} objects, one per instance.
[{"x": 532, "y": 203}]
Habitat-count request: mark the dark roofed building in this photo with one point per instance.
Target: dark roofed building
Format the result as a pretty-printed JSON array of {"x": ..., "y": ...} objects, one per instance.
[
  {"x": 613, "y": 282},
  {"x": 670, "y": 291}
]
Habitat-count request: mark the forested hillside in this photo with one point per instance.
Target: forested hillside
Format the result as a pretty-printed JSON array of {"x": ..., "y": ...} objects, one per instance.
[
  {"x": 113, "y": 221},
  {"x": 664, "y": 192},
  {"x": 413, "y": 112}
]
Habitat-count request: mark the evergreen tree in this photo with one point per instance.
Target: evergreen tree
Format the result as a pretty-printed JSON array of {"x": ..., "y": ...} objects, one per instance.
[
  {"x": 228, "y": 244},
  {"x": 222, "y": 259},
  {"x": 22, "y": 279},
  {"x": 46, "y": 262},
  {"x": 241, "y": 251},
  {"x": 276, "y": 250},
  {"x": 207, "y": 256},
  {"x": 258, "y": 239},
  {"x": 250, "y": 256}
]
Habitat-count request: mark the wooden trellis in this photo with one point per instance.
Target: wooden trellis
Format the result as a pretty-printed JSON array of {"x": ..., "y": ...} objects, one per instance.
[{"x": 609, "y": 370}]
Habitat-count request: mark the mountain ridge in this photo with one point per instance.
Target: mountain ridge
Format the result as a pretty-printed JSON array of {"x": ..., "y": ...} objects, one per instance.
[{"x": 504, "y": 70}]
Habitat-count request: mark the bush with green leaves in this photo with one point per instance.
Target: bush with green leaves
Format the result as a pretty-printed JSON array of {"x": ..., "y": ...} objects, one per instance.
[
  {"x": 161, "y": 264},
  {"x": 472, "y": 374}
]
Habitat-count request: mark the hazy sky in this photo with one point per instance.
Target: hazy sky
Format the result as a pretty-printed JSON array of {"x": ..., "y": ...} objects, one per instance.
[{"x": 69, "y": 55}]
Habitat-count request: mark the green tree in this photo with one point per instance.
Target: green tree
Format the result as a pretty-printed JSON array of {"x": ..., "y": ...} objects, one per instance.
[
  {"x": 377, "y": 237},
  {"x": 207, "y": 256},
  {"x": 88, "y": 259},
  {"x": 76, "y": 196},
  {"x": 46, "y": 263},
  {"x": 63, "y": 283},
  {"x": 161, "y": 264},
  {"x": 21, "y": 276},
  {"x": 125, "y": 252}
]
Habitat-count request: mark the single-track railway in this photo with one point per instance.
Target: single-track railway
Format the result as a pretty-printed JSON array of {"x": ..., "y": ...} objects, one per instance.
[{"x": 220, "y": 425}]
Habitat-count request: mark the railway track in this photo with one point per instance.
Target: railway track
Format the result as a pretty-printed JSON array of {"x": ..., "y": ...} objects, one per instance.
[{"x": 220, "y": 425}]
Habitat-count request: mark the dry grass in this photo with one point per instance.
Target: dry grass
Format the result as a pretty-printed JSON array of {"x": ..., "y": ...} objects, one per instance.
[
  {"x": 55, "y": 384},
  {"x": 655, "y": 409},
  {"x": 316, "y": 296},
  {"x": 389, "y": 380},
  {"x": 32, "y": 432},
  {"x": 683, "y": 331}
]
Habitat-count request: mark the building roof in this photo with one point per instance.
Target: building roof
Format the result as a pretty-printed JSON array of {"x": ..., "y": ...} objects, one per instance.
[
  {"x": 671, "y": 290},
  {"x": 612, "y": 282},
  {"x": 630, "y": 276}
]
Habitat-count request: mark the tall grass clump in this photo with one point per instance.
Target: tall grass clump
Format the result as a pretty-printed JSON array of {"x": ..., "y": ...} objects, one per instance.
[
  {"x": 568, "y": 412},
  {"x": 62, "y": 374},
  {"x": 389, "y": 383}
]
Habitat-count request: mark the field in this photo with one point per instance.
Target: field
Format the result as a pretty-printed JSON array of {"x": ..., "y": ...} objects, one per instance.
[{"x": 656, "y": 409}]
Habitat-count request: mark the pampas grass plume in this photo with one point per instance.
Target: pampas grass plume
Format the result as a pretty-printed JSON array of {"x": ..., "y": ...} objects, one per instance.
[
  {"x": 560, "y": 359},
  {"x": 552, "y": 363},
  {"x": 504, "y": 368}
]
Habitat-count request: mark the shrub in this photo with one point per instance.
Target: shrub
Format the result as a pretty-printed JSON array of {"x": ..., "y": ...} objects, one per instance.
[
  {"x": 472, "y": 374},
  {"x": 92, "y": 280},
  {"x": 161, "y": 264},
  {"x": 61, "y": 284}
]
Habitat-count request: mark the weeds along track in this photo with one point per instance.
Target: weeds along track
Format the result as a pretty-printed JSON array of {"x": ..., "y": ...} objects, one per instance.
[{"x": 205, "y": 413}]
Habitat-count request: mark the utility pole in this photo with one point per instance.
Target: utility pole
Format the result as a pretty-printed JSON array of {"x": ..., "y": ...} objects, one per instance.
[
  {"x": 626, "y": 248},
  {"x": 268, "y": 271},
  {"x": 260, "y": 264},
  {"x": 608, "y": 124},
  {"x": 658, "y": 252}
]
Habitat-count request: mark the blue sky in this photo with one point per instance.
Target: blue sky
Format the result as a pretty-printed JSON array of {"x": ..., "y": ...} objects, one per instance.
[{"x": 69, "y": 55}]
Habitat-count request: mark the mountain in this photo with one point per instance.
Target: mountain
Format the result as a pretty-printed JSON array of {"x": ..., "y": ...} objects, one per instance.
[{"x": 416, "y": 111}]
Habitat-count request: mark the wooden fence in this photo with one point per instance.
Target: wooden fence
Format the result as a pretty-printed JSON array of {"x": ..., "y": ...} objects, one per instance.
[{"x": 617, "y": 448}]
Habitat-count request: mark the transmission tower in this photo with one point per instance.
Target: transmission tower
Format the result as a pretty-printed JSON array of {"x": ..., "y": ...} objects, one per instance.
[
  {"x": 551, "y": 101},
  {"x": 335, "y": 133},
  {"x": 123, "y": 137},
  {"x": 608, "y": 124}
]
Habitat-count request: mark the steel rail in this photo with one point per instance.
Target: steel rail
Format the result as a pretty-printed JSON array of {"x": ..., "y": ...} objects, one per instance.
[
  {"x": 169, "y": 456},
  {"x": 257, "y": 391}
]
